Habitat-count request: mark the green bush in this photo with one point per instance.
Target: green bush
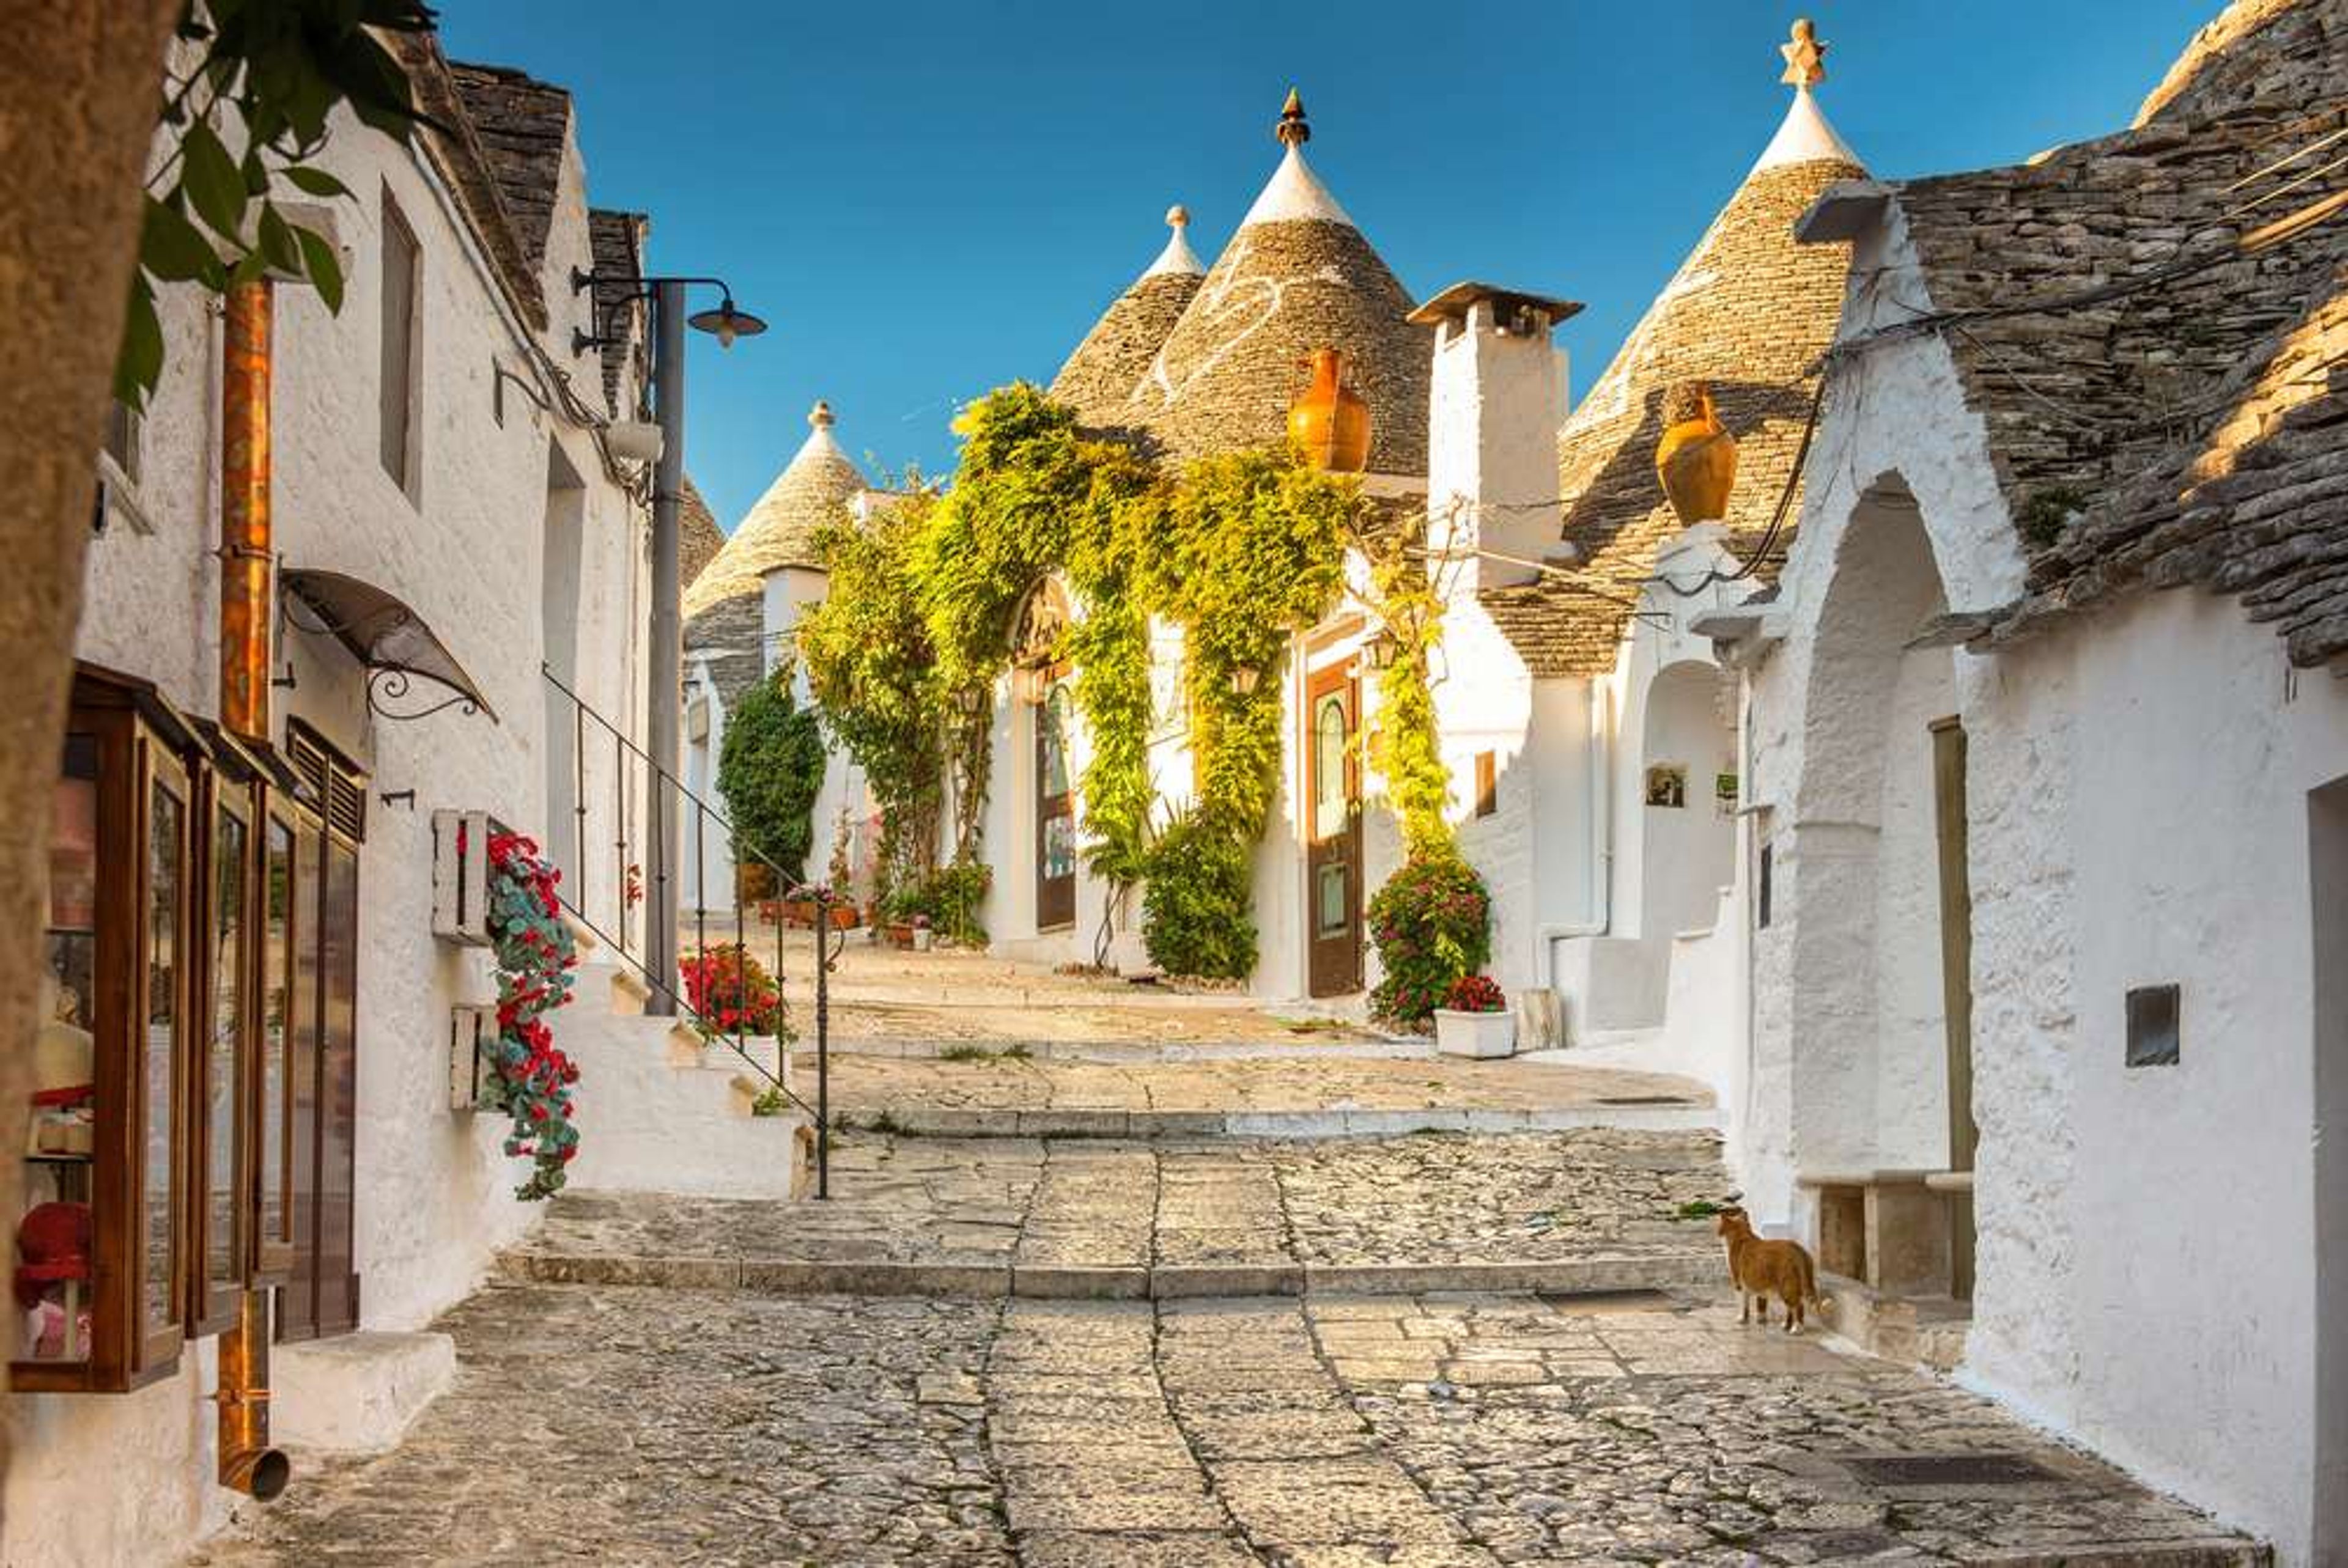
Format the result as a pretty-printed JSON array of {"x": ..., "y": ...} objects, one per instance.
[
  {"x": 769, "y": 768},
  {"x": 1195, "y": 913},
  {"x": 1431, "y": 923},
  {"x": 947, "y": 897}
]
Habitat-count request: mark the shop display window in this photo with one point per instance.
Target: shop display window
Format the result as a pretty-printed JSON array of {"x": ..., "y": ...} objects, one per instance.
[{"x": 192, "y": 1095}]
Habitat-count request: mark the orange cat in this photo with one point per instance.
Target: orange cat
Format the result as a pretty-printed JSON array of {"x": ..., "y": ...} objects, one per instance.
[{"x": 1761, "y": 1268}]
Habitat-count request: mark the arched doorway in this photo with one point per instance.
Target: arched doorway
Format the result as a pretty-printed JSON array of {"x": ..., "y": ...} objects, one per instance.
[
  {"x": 1687, "y": 842},
  {"x": 1880, "y": 997}
]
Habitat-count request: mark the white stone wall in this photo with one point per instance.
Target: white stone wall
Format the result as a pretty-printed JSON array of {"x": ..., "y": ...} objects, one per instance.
[
  {"x": 2137, "y": 787},
  {"x": 433, "y": 1192}
]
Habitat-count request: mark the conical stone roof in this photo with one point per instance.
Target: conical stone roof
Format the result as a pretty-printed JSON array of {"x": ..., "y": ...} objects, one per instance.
[
  {"x": 1297, "y": 276},
  {"x": 1749, "y": 311},
  {"x": 814, "y": 489},
  {"x": 1118, "y": 350}
]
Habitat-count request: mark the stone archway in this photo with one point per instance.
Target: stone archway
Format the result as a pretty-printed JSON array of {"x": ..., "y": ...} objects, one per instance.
[{"x": 1869, "y": 1000}]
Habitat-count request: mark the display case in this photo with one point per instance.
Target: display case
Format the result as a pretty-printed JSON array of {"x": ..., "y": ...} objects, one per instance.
[
  {"x": 98, "y": 1276},
  {"x": 193, "y": 1094}
]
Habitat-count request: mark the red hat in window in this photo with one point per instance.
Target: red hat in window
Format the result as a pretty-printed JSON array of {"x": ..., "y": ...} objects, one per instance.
[{"x": 54, "y": 1243}]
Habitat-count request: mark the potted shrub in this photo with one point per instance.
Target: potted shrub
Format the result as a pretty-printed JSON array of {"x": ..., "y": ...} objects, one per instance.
[
  {"x": 734, "y": 1000},
  {"x": 1473, "y": 1019}
]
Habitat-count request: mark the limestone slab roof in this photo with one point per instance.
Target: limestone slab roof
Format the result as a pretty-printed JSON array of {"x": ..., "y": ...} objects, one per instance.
[
  {"x": 700, "y": 539},
  {"x": 524, "y": 124},
  {"x": 1118, "y": 350},
  {"x": 616, "y": 240},
  {"x": 1749, "y": 311},
  {"x": 2180, "y": 413},
  {"x": 1296, "y": 276},
  {"x": 454, "y": 144},
  {"x": 817, "y": 489}
]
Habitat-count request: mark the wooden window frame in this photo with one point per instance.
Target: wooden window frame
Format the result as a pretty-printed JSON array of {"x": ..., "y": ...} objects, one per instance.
[{"x": 399, "y": 409}]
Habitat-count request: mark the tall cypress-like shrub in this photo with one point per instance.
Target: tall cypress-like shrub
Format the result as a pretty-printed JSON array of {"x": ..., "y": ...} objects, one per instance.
[{"x": 770, "y": 770}]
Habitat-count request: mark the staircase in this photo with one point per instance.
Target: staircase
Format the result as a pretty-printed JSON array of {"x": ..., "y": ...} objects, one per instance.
[
  {"x": 671, "y": 1103},
  {"x": 665, "y": 1110}
]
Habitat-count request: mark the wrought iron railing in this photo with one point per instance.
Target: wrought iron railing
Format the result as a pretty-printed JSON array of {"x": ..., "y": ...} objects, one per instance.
[{"x": 641, "y": 791}]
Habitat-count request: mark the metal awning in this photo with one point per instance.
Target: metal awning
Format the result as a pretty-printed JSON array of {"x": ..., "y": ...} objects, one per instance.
[{"x": 383, "y": 634}]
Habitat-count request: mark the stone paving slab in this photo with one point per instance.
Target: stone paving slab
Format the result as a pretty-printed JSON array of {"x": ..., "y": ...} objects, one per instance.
[
  {"x": 627, "y": 1425},
  {"x": 1561, "y": 1211},
  {"x": 1002, "y": 1095}
]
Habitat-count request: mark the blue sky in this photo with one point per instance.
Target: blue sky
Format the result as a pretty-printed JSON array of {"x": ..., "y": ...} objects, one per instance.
[{"x": 929, "y": 197}]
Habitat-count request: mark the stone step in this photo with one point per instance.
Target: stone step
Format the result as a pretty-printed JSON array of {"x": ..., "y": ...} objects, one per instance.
[
  {"x": 927, "y": 1121},
  {"x": 661, "y": 1112},
  {"x": 1918, "y": 1330},
  {"x": 1588, "y": 1275}
]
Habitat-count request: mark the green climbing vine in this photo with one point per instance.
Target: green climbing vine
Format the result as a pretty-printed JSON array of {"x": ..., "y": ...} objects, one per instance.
[
  {"x": 873, "y": 672},
  {"x": 1405, "y": 745},
  {"x": 1240, "y": 551}
]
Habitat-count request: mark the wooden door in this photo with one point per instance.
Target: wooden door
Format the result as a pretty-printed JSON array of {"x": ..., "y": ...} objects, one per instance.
[
  {"x": 1956, "y": 986},
  {"x": 1056, "y": 810},
  {"x": 1332, "y": 832}
]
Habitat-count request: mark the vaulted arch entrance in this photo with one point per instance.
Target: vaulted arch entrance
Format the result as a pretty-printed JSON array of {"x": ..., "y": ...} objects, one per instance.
[{"x": 1881, "y": 994}]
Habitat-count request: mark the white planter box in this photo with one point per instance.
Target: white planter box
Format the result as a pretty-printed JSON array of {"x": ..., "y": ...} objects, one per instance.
[
  {"x": 460, "y": 878},
  {"x": 1474, "y": 1033},
  {"x": 923, "y": 937}
]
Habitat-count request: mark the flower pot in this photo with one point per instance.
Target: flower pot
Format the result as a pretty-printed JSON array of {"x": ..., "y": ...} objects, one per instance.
[
  {"x": 1481, "y": 1034},
  {"x": 899, "y": 936},
  {"x": 923, "y": 937}
]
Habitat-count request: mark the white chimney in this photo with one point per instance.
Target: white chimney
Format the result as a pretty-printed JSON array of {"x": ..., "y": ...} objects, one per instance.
[{"x": 1491, "y": 450}]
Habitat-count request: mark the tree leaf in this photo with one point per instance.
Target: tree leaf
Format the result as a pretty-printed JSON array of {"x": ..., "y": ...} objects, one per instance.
[
  {"x": 277, "y": 241},
  {"x": 316, "y": 181},
  {"x": 175, "y": 249},
  {"x": 322, "y": 267},
  {"x": 214, "y": 184},
  {"x": 138, "y": 362}
]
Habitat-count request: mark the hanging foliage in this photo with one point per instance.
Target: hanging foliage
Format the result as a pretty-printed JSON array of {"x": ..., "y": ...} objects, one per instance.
[
  {"x": 872, "y": 671},
  {"x": 1250, "y": 551},
  {"x": 1240, "y": 551},
  {"x": 1406, "y": 742},
  {"x": 535, "y": 955}
]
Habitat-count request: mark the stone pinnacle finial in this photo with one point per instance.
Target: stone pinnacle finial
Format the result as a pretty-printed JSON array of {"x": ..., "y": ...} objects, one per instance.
[
  {"x": 820, "y": 414},
  {"x": 1291, "y": 130},
  {"x": 1177, "y": 217},
  {"x": 1805, "y": 57}
]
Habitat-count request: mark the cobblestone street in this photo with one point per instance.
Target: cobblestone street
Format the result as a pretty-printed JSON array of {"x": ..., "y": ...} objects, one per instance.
[
  {"x": 1207, "y": 1311},
  {"x": 636, "y": 1425}
]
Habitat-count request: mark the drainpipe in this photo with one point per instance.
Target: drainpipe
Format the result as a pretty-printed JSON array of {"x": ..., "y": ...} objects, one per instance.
[
  {"x": 247, "y": 1462},
  {"x": 244, "y": 551}
]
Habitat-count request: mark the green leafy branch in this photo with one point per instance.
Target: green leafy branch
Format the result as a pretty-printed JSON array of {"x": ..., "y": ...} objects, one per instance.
[{"x": 245, "y": 118}]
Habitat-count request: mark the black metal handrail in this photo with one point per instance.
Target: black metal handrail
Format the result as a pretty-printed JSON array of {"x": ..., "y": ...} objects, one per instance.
[{"x": 576, "y": 894}]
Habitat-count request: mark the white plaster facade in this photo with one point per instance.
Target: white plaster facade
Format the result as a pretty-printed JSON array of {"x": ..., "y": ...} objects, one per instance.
[
  {"x": 516, "y": 547},
  {"x": 2146, "y": 791}
]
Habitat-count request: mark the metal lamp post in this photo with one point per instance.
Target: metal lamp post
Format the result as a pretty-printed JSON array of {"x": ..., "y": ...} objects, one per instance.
[{"x": 666, "y": 677}]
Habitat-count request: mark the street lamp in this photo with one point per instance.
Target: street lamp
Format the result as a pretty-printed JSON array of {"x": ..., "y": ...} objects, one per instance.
[
  {"x": 665, "y": 676},
  {"x": 726, "y": 324}
]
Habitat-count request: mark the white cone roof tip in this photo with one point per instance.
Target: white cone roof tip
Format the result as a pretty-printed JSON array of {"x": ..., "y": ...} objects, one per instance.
[
  {"x": 820, "y": 442},
  {"x": 1295, "y": 194},
  {"x": 1177, "y": 260},
  {"x": 1804, "y": 137}
]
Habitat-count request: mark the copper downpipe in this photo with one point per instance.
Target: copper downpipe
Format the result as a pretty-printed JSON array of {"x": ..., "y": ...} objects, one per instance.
[
  {"x": 247, "y": 1462},
  {"x": 246, "y": 552}
]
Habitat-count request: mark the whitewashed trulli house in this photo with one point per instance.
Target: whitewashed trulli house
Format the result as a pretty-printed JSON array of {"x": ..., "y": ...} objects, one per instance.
[
  {"x": 2047, "y": 786},
  {"x": 740, "y": 612},
  {"x": 1194, "y": 362},
  {"x": 1590, "y": 734}
]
